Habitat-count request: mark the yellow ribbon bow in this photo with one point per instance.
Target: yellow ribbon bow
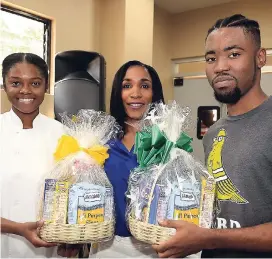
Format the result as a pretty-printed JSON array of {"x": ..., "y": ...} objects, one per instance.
[{"x": 68, "y": 145}]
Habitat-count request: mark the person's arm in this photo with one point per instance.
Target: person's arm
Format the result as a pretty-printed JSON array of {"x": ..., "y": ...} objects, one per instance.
[
  {"x": 254, "y": 239},
  {"x": 191, "y": 239},
  {"x": 10, "y": 227},
  {"x": 28, "y": 230}
]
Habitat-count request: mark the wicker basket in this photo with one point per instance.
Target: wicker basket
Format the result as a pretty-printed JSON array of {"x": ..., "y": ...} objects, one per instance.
[
  {"x": 77, "y": 233},
  {"x": 148, "y": 233}
]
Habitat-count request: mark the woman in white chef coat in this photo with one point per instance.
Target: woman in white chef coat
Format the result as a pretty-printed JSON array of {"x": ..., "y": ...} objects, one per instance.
[{"x": 27, "y": 143}]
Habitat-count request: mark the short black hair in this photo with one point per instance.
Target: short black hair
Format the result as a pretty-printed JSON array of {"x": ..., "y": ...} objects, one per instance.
[
  {"x": 238, "y": 20},
  {"x": 29, "y": 58},
  {"x": 117, "y": 109}
]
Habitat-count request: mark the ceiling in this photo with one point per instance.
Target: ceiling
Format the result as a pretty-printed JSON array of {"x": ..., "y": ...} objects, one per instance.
[{"x": 179, "y": 6}]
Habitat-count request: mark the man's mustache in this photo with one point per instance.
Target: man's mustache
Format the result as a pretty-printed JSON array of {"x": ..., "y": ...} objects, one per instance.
[{"x": 223, "y": 77}]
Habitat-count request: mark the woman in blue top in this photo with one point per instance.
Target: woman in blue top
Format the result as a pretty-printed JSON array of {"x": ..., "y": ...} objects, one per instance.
[{"x": 135, "y": 86}]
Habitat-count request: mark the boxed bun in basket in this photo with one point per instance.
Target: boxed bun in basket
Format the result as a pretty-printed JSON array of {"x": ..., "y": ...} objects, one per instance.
[
  {"x": 76, "y": 201},
  {"x": 168, "y": 183}
]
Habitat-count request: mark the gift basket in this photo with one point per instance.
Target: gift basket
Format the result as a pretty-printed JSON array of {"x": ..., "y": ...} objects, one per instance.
[
  {"x": 168, "y": 183},
  {"x": 76, "y": 199}
]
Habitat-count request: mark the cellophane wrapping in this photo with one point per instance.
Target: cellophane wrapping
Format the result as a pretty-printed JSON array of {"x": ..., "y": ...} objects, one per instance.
[
  {"x": 169, "y": 182},
  {"x": 77, "y": 190}
]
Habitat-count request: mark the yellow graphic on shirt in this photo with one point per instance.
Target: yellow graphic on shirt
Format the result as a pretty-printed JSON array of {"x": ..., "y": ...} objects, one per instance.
[{"x": 226, "y": 190}]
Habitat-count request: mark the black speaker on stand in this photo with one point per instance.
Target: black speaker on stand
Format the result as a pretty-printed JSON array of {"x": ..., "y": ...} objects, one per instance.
[{"x": 80, "y": 78}]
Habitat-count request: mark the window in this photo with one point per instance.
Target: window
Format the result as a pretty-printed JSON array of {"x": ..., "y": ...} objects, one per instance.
[{"x": 21, "y": 31}]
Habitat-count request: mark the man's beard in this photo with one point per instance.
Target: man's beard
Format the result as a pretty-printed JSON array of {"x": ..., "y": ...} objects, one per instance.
[{"x": 233, "y": 96}]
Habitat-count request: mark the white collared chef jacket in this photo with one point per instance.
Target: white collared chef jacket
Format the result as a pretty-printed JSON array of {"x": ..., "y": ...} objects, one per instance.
[{"x": 26, "y": 155}]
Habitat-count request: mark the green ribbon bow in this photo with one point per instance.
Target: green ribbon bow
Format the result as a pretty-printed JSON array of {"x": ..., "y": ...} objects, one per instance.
[{"x": 154, "y": 147}]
